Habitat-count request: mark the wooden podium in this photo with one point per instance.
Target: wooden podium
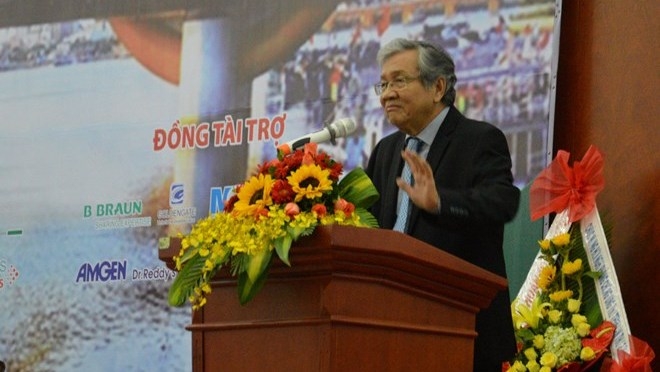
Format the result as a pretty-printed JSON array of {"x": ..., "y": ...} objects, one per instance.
[{"x": 354, "y": 299}]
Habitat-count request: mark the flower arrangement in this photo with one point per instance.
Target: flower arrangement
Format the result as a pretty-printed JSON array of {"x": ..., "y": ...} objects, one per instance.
[
  {"x": 562, "y": 329},
  {"x": 286, "y": 198},
  {"x": 558, "y": 318}
]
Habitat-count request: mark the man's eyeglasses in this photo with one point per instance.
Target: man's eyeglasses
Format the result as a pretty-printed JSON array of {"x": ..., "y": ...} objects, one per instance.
[{"x": 398, "y": 83}]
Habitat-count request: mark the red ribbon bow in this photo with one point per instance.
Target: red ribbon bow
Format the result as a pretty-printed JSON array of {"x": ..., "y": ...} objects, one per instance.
[
  {"x": 560, "y": 187},
  {"x": 639, "y": 360}
]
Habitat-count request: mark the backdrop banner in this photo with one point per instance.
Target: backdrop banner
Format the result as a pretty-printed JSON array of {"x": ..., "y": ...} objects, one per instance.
[{"x": 127, "y": 121}]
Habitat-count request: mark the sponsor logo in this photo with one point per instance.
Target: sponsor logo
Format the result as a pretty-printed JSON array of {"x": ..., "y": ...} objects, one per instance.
[
  {"x": 8, "y": 273},
  {"x": 119, "y": 270},
  {"x": 176, "y": 194},
  {"x": 119, "y": 215},
  {"x": 178, "y": 213},
  {"x": 219, "y": 196},
  {"x": 121, "y": 209},
  {"x": 104, "y": 271},
  {"x": 153, "y": 273}
]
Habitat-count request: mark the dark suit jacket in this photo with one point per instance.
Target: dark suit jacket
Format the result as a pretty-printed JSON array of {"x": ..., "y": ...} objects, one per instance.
[{"x": 472, "y": 170}]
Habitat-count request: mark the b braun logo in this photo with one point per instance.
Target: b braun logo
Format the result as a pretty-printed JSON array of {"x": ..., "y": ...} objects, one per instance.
[{"x": 176, "y": 194}]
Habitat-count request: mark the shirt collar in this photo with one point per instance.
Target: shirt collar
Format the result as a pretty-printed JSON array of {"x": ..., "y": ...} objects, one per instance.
[{"x": 427, "y": 135}]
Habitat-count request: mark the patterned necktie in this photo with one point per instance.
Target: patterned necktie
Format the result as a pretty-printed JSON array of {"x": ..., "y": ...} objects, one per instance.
[{"x": 413, "y": 144}]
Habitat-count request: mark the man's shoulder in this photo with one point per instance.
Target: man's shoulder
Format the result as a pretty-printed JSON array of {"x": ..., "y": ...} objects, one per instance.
[
  {"x": 464, "y": 123},
  {"x": 391, "y": 139}
]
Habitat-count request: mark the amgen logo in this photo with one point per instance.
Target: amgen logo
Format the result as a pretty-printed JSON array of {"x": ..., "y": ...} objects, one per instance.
[{"x": 103, "y": 271}]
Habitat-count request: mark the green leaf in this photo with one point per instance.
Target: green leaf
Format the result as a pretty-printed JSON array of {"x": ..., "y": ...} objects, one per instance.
[
  {"x": 590, "y": 304},
  {"x": 297, "y": 232},
  {"x": 257, "y": 263},
  {"x": 366, "y": 217},
  {"x": 247, "y": 289},
  {"x": 357, "y": 188},
  {"x": 186, "y": 280},
  {"x": 188, "y": 254},
  {"x": 525, "y": 334},
  {"x": 593, "y": 274},
  {"x": 282, "y": 247}
]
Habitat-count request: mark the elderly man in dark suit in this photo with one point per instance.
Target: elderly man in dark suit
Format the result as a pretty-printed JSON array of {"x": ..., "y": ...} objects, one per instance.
[{"x": 460, "y": 192}]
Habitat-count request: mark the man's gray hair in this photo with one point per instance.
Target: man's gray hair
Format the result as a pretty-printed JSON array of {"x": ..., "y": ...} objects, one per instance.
[{"x": 433, "y": 62}]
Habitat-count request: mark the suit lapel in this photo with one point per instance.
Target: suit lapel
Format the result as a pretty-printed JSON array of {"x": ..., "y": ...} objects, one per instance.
[
  {"x": 438, "y": 149},
  {"x": 390, "y": 194}
]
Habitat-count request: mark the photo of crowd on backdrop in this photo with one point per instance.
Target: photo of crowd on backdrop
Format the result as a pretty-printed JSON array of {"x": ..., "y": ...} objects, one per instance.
[
  {"x": 502, "y": 63},
  {"x": 93, "y": 196}
]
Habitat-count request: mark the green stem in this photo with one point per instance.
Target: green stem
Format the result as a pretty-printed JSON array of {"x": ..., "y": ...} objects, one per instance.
[
  {"x": 579, "y": 280},
  {"x": 563, "y": 277}
]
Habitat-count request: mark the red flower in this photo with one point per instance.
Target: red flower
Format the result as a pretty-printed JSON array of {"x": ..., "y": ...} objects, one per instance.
[
  {"x": 601, "y": 337},
  {"x": 335, "y": 170},
  {"x": 229, "y": 204},
  {"x": 281, "y": 171},
  {"x": 599, "y": 342},
  {"x": 638, "y": 360},
  {"x": 570, "y": 367},
  {"x": 320, "y": 209},
  {"x": 282, "y": 192}
]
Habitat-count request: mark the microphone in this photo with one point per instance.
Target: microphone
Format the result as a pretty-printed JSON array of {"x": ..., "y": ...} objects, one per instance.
[{"x": 339, "y": 128}]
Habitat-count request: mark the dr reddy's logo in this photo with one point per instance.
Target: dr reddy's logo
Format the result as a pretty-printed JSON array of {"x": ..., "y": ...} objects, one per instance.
[
  {"x": 176, "y": 194},
  {"x": 103, "y": 271}
]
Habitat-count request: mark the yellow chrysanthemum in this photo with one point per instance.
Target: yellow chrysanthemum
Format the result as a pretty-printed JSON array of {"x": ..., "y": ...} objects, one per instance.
[
  {"x": 561, "y": 239},
  {"x": 559, "y": 296},
  {"x": 544, "y": 244},
  {"x": 546, "y": 277},
  {"x": 571, "y": 267},
  {"x": 254, "y": 195},
  {"x": 310, "y": 181}
]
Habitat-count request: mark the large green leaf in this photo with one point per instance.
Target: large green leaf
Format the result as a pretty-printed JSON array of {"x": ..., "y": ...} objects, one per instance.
[
  {"x": 282, "y": 247},
  {"x": 258, "y": 263},
  {"x": 590, "y": 304},
  {"x": 357, "y": 188},
  {"x": 186, "y": 280},
  {"x": 247, "y": 288}
]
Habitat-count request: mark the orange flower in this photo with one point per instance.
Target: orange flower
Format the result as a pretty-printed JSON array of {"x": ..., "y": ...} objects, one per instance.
[
  {"x": 291, "y": 209},
  {"x": 345, "y": 206},
  {"x": 320, "y": 209}
]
